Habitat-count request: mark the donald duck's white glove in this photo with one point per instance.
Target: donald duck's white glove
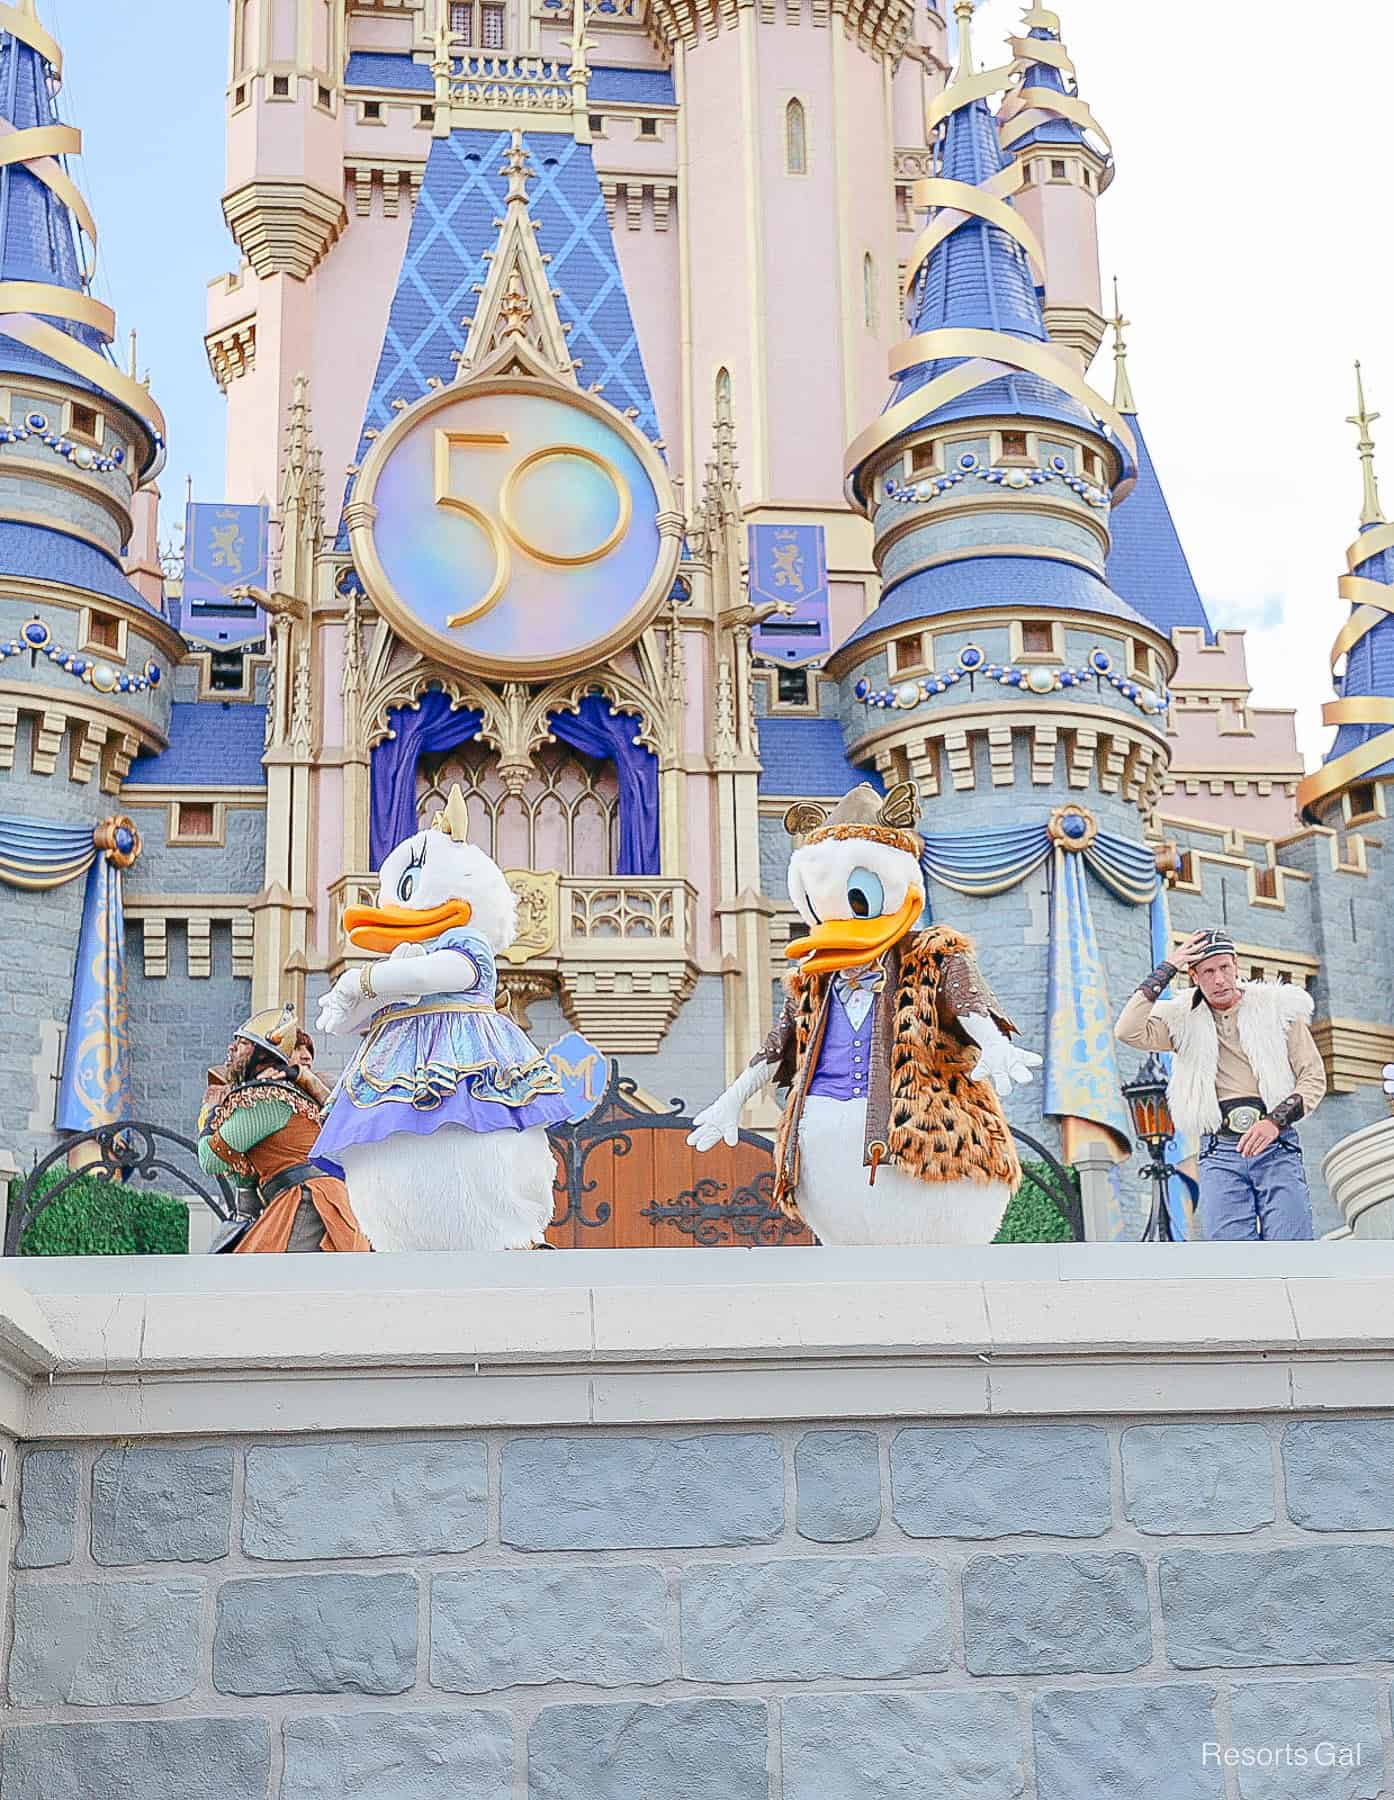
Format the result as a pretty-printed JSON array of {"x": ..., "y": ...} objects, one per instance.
[
  {"x": 1001, "y": 1062},
  {"x": 721, "y": 1121},
  {"x": 1388, "y": 1073}
]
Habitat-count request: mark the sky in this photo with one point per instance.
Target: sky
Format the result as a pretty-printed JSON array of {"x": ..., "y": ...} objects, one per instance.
[{"x": 1248, "y": 226}]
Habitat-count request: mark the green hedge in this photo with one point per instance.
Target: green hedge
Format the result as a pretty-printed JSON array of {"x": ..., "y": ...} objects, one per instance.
[
  {"x": 93, "y": 1217},
  {"x": 1032, "y": 1215}
]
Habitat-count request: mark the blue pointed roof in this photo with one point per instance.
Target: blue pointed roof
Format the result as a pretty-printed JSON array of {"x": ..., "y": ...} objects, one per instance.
[
  {"x": 980, "y": 278},
  {"x": 1147, "y": 564},
  {"x": 38, "y": 238},
  {"x": 1045, "y": 75},
  {"x": 1369, "y": 666},
  {"x": 462, "y": 194}
]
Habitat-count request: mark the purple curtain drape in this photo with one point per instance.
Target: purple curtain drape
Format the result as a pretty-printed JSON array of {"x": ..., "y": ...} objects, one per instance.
[
  {"x": 433, "y": 726},
  {"x": 421, "y": 730},
  {"x": 595, "y": 731}
]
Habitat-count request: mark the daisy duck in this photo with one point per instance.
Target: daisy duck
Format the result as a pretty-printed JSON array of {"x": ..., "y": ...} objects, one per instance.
[{"x": 440, "y": 1120}]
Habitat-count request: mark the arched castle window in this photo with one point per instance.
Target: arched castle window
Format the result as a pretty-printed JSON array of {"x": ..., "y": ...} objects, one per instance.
[
  {"x": 869, "y": 291},
  {"x": 795, "y": 139},
  {"x": 723, "y": 393},
  {"x": 243, "y": 50},
  {"x": 566, "y": 818}
]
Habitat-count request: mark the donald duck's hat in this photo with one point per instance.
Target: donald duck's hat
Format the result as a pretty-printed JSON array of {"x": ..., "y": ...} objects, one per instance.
[{"x": 863, "y": 814}]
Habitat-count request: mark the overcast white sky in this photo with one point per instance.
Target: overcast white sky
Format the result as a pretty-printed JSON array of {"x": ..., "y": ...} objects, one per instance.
[
  {"x": 1250, "y": 228},
  {"x": 1249, "y": 225}
]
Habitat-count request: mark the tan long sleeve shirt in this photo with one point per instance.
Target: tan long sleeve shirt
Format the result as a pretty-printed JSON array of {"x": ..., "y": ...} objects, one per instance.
[{"x": 1234, "y": 1077}]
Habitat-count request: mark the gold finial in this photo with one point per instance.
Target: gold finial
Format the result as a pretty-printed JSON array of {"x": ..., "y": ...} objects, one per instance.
[
  {"x": 1035, "y": 16},
  {"x": 963, "y": 15},
  {"x": 133, "y": 354},
  {"x": 453, "y": 818},
  {"x": 515, "y": 309},
  {"x": 1123, "y": 401},
  {"x": 1363, "y": 419},
  {"x": 517, "y": 168}
]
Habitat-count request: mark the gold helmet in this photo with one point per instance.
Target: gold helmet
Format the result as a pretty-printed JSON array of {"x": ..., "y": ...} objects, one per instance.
[{"x": 273, "y": 1030}]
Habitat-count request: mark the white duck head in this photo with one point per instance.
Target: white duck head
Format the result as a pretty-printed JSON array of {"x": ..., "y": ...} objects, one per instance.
[
  {"x": 433, "y": 882},
  {"x": 855, "y": 877}
]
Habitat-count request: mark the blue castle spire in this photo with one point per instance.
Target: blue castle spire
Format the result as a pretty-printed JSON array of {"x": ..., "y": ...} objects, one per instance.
[
  {"x": 980, "y": 278},
  {"x": 46, "y": 233},
  {"x": 1363, "y": 750},
  {"x": 1146, "y": 561},
  {"x": 980, "y": 356},
  {"x": 38, "y": 233}
]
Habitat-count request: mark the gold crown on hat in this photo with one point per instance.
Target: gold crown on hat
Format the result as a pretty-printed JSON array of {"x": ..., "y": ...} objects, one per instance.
[{"x": 862, "y": 811}]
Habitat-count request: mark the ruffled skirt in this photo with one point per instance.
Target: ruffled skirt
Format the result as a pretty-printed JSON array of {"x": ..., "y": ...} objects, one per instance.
[{"x": 427, "y": 1066}]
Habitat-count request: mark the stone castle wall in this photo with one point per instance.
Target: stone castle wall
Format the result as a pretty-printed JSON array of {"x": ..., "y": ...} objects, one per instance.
[
  {"x": 1122, "y": 1564},
  {"x": 814, "y": 1613}
]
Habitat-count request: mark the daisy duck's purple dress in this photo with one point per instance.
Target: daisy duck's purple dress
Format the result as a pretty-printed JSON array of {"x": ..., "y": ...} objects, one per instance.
[{"x": 447, "y": 1059}]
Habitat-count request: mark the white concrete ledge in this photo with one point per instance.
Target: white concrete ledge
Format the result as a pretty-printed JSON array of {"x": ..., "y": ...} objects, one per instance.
[{"x": 180, "y": 1345}]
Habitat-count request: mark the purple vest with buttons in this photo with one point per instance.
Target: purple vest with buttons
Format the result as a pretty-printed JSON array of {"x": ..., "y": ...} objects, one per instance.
[{"x": 845, "y": 1056}]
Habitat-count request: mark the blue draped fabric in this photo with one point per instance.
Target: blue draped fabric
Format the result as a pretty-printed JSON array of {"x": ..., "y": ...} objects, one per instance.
[
  {"x": 95, "y": 1088},
  {"x": 1081, "y": 1068},
  {"x": 434, "y": 724},
  {"x": 595, "y": 730},
  {"x": 35, "y": 854},
  {"x": 1081, "y": 1072}
]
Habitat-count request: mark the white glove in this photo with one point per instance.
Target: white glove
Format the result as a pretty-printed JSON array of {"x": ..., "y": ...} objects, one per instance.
[
  {"x": 721, "y": 1121},
  {"x": 344, "y": 1007},
  {"x": 1001, "y": 1062},
  {"x": 1388, "y": 1073}
]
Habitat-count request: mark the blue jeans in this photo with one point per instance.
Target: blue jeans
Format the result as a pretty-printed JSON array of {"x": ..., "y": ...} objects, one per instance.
[{"x": 1254, "y": 1196}]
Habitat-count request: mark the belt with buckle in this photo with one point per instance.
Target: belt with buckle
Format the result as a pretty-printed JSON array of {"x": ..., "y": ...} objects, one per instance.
[{"x": 1238, "y": 1116}]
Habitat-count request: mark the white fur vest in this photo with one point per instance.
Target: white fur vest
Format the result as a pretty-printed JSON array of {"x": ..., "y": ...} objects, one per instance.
[{"x": 1266, "y": 1011}]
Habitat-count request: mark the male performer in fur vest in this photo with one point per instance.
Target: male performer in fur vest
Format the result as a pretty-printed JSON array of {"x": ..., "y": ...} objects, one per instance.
[{"x": 1244, "y": 1071}]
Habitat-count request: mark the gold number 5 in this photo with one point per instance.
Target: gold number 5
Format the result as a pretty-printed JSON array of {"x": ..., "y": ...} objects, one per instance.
[{"x": 500, "y": 530}]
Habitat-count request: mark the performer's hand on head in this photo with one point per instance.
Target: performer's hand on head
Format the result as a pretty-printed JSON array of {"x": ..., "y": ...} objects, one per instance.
[{"x": 1185, "y": 954}]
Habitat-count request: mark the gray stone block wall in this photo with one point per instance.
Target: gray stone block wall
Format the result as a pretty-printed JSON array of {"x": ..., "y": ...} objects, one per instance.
[
  {"x": 180, "y": 1026},
  {"x": 1016, "y": 1611}
]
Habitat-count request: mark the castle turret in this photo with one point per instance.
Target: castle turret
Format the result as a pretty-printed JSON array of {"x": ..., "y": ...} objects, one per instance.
[
  {"x": 85, "y": 656},
  {"x": 989, "y": 478},
  {"x": 1064, "y": 162},
  {"x": 1352, "y": 785}
]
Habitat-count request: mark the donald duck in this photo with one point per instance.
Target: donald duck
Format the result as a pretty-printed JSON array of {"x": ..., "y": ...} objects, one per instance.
[
  {"x": 440, "y": 1120},
  {"x": 891, "y": 1044}
]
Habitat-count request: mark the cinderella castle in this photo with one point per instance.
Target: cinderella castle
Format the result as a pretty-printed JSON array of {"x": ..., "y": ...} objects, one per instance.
[{"x": 537, "y": 484}]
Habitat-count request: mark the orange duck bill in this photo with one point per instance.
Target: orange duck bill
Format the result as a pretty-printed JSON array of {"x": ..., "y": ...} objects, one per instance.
[
  {"x": 384, "y": 927},
  {"x": 847, "y": 943}
]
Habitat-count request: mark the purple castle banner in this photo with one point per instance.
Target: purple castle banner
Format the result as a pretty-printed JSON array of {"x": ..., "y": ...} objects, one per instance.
[
  {"x": 224, "y": 549},
  {"x": 790, "y": 563}
]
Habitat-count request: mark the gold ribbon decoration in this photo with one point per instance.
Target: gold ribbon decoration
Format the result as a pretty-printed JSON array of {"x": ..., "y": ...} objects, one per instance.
[
  {"x": 988, "y": 355},
  {"x": 961, "y": 201},
  {"x": 1368, "y": 544},
  {"x": 25, "y": 27},
  {"x": 37, "y": 148},
  {"x": 26, "y": 307},
  {"x": 1049, "y": 103},
  {"x": 1372, "y": 601}
]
